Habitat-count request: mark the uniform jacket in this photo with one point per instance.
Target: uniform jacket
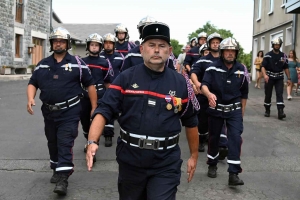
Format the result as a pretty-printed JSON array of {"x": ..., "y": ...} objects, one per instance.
[
  {"x": 275, "y": 63},
  {"x": 124, "y": 47},
  {"x": 191, "y": 56},
  {"x": 59, "y": 82},
  {"x": 99, "y": 69},
  {"x": 116, "y": 61}
]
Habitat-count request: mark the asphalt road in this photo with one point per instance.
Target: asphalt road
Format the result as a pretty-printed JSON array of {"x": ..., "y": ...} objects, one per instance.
[{"x": 270, "y": 157}]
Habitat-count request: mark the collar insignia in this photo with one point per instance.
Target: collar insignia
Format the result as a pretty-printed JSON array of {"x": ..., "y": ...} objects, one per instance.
[{"x": 135, "y": 85}]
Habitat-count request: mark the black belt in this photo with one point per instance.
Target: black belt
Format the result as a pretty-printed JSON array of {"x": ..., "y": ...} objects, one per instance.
[
  {"x": 63, "y": 105},
  {"x": 274, "y": 74},
  {"x": 98, "y": 87},
  {"x": 143, "y": 142},
  {"x": 227, "y": 108}
]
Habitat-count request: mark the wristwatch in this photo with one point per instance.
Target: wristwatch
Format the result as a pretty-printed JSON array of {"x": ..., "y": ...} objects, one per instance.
[{"x": 92, "y": 142}]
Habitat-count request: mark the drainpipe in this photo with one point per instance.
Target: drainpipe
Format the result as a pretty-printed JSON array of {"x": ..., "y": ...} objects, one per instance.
[
  {"x": 253, "y": 75},
  {"x": 295, "y": 21},
  {"x": 51, "y": 28}
]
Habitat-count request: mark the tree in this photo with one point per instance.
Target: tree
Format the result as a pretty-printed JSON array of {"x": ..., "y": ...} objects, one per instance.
[
  {"x": 210, "y": 28},
  {"x": 176, "y": 47}
]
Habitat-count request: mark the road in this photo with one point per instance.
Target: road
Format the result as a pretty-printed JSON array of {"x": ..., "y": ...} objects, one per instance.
[{"x": 270, "y": 156}]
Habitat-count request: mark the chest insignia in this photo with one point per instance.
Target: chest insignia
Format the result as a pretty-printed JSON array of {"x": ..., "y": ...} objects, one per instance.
[
  {"x": 172, "y": 93},
  {"x": 135, "y": 85}
]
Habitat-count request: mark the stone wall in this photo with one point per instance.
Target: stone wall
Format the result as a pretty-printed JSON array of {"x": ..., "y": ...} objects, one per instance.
[
  {"x": 36, "y": 17},
  {"x": 6, "y": 32}
]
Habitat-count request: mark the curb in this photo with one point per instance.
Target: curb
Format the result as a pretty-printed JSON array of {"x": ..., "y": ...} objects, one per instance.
[{"x": 14, "y": 77}]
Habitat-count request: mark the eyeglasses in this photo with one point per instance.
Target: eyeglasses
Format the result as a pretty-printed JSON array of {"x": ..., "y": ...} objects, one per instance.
[{"x": 59, "y": 41}]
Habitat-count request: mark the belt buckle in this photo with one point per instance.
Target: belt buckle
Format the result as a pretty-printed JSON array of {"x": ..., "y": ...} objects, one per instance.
[
  {"x": 227, "y": 108},
  {"x": 148, "y": 144},
  {"x": 54, "y": 107}
]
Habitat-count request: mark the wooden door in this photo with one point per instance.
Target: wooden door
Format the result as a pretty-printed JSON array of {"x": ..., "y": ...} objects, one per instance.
[{"x": 37, "y": 54}]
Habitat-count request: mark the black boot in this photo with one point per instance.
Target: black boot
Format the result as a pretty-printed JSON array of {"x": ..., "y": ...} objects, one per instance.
[
  {"x": 267, "y": 113},
  {"x": 223, "y": 151},
  {"x": 108, "y": 141},
  {"x": 55, "y": 177},
  {"x": 61, "y": 185},
  {"x": 234, "y": 180},
  {"x": 212, "y": 171},
  {"x": 281, "y": 114}
]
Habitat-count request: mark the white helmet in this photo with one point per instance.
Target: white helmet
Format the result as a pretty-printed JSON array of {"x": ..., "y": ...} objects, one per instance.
[
  {"x": 94, "y": 37},
  {"x": 146, "y": 20},
  {"x": 60, "y": 33}
]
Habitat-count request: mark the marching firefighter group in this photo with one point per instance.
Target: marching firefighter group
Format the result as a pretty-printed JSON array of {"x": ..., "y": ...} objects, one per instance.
[{"x": 140, "y": 87}]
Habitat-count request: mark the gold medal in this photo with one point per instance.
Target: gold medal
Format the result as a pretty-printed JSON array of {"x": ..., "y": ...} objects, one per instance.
[
  {"x": 169, "y": 106},
  {"x": 179, "y": 108}
]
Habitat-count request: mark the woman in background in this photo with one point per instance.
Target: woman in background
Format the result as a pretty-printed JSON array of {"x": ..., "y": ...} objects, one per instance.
[
  {"x": 293, "y": 65},
  {"x": 257, "y": 63}
]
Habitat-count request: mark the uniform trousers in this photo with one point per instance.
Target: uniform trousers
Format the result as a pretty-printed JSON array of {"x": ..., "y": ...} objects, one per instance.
[
  {"x": 278, "y": 84},
  {"x": 61, "y": 136},
  {"x": 203, "y": 125},
  {"x": 234, "y": 123},
  {"x": 138, "y": 183}
]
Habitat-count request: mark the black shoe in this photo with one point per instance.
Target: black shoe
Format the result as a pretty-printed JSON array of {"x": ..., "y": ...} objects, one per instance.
[
  {"x": 212, "y": 171},
  {"x": 267, "y": 113},
  {"x": 55, "y": 177},
  {"x": 235, "y": 180},
  {"x": 201, "y": 147},
  {"x": 223, "y": 152},
  {"x": 108, "y": 141},
  {"x": 281, "y": 114},
  {"x": 61, "y": 185}
]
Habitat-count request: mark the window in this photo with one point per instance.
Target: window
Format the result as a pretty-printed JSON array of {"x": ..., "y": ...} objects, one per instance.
[
  {"x": 288, "y": 36},
  {"x": 271, "y": 4},
  {"x": 19, "y": 11},
  {"x": 258, "y": 10},
  {"x": 18, "y": 46},
  {"x": 262, "y": 43}
]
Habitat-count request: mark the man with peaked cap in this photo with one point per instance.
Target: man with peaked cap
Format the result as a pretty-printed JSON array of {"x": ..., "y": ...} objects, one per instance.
[
  {"x": 134, "y": 56},
  {"x": 151, "y": 108},
  {"x": 59, "y": 77}
]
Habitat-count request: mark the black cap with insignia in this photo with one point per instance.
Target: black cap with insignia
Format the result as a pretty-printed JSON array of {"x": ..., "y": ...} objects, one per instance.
[{"x": 156, "y": 30}]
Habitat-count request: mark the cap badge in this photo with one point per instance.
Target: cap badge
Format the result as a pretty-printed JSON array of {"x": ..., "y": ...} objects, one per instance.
[{"x": 156, "y": 29}]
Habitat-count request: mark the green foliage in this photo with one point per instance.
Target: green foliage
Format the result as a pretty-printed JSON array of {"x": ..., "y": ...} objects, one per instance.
[
  {"x": 210, "y": 28},
  {"x": 176, "y": 47}
]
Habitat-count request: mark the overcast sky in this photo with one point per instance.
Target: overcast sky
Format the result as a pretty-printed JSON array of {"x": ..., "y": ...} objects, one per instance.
[{"x": 182, "y": 16}]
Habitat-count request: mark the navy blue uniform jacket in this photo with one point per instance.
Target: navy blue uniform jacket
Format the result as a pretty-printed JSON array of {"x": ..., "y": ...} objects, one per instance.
[
  {"x": 116, "y": 61},
  {"x": 99, "y": 70},
  {"x": 60, "y": 82},
  {"x": 229, "y": 86},
  {"x": 139, "y": 95},
  {"x": 275, "y": 63},
  {"x": 191, "y": 56}
]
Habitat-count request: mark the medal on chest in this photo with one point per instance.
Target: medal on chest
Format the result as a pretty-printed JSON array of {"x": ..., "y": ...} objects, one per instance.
[{"x": 168, "y": 100}]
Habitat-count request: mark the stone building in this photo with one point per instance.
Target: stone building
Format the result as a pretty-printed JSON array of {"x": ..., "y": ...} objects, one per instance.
[{"x": 24, "y": 29}]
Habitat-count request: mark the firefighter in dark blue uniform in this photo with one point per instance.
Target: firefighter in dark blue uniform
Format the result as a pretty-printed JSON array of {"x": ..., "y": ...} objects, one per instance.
[
  {"x": 134, "y": 56},
  {"x": 123, "y": 45},
  {"x": 151, "y": 99},
  {"x": 273, "y": 65},
  {"x": 197, "y": 74},
  {"x": 116, "y": 62},
  {"x": 193, "y": 55},
  {"x": 59, "y": 77},
  {"x": 100, "y": 72},
  {"x": 225, "y": 84}
]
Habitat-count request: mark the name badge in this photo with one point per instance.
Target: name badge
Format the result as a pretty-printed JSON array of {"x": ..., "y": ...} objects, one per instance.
[{"x": 151, "y": 102}]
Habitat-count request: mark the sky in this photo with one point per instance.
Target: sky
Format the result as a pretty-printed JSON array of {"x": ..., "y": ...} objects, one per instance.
[{"x": 182, "y": 16}]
